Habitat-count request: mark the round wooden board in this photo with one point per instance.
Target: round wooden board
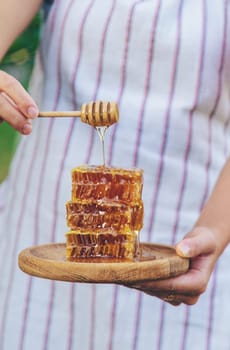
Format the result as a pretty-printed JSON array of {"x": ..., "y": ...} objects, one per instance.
[{"x": 48, "y": 261}]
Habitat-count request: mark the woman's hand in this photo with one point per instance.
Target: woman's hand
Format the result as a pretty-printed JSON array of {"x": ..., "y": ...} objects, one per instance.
[
  {"x": 201, "y": 246},
  {"x": 16, "y": 106}
]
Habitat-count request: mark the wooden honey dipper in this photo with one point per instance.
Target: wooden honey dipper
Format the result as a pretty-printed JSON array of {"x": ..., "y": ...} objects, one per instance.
[{"x": 98, "y": 113}]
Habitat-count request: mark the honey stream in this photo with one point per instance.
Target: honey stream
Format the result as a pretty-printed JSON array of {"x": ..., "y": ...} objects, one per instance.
[{"x": 101, "y": 130}]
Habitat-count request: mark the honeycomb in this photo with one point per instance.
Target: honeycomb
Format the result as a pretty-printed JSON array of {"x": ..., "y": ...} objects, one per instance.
[{"x": 105, "y": 213}]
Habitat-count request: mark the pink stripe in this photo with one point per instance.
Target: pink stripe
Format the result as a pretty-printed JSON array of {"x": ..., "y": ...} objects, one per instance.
[
  {"x": 25, "y": 313},
  {"x": 199, "y": 82},
  {"x": 147, "y": 84},
  {"x": 36, "y": 230},
  {"x": 53, "y": 231},
  {"x": 190, "y": 130},
  {"x": 216, "y": 102},
  {"x": 16, "y": 241},
  {"x": 92, "y": 318},
  {"x": 102, "y": 47},
  {"x": 219, "y": 90},
  {"x": 166, "y": 122},
  {"x": 123, "y": 73},
  {"x": 211, "y": 309},
  {"x": 80, "y": 49},
  {"x": 71, "y": 314},
  {"x": 186, "y": 155},
  {"x": 126, "y": 49},
  {"x": 35, "y": 239},
  {"x": 99, "y": 73},
  {"x": 48, "y": 29},
  {"x": 160, "y": 168},
  {"x": 113, "y": 318},
  {"x": 16, "y": 175},
  {"x": 57, "y": 187},
  {"x": 122, "y": 85},
  {"x": 213, "y": 288},
  {"x": 74, "y": 103},
  {"x": 74, "y": 75},
  {"x": 24, "y": 322},
  {"x": 52, "y": 16},
  {"x": 138, "y": 140},
  {"x": 75, "y": 71},
  {"x": 23, "y": 204},
  {"x": 90, "y": 148},
  {"x": 208, "y": 163},
  {"x": 49, "y": 316},
  {"x": 226, "y": 132},
  {"x": 222, "y": 59}
]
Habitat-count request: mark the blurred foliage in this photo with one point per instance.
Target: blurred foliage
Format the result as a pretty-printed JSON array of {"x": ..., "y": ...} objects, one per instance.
[{"x": 18, "y": 62}]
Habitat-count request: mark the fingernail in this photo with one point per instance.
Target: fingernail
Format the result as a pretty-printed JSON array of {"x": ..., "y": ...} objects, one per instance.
[
  {"x": 32, "y": 112},
  {"x": 183, "y": 249},
  {"x": 27, "y": 128}
]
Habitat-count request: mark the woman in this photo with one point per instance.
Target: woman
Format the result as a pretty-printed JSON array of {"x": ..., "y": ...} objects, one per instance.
[{"x": 167, "y": 66}]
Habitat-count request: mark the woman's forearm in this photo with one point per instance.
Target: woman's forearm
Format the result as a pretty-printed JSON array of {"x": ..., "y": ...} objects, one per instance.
[
  {"x": 216, "y": 213},
  {"x": 15, "y": 15}
]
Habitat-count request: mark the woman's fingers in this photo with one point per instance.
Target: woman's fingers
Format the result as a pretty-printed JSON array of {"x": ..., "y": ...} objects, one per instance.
[
  {"x": 168, "y": 292},
  {"x": 13, "y": 116},
  {"x": 16, "y": 106},
  {"x": 170, "y": 296},
  {"x": 176, "y": 299},
  {"x": 200, "y": 240},
  {"x": 15, "y": 91},
  {"x": 192, "y": 282}
]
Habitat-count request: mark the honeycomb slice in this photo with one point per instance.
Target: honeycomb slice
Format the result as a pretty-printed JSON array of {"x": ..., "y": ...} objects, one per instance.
[
  {"x": 101, "y": 174},
  {"x": 88, "y": 245},
  {"x": 104, "y": 215},
  {"x": 115, "y": 191}
]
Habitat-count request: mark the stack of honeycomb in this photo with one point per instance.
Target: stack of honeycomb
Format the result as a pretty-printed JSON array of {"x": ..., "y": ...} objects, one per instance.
[{"x": 105, "y": 213}]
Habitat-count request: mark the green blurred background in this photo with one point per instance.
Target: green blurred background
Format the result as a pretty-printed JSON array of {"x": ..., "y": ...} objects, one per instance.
[{"x": 18, "y": 62}]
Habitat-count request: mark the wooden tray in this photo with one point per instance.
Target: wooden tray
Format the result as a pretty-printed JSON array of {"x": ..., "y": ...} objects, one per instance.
[{"x": 48, "y": 261}]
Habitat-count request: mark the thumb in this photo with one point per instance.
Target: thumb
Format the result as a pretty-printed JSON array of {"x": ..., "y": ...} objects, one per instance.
[{"x": 199, "y": 241}]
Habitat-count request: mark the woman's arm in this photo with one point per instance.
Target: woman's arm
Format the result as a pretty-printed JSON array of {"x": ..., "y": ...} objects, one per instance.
[
  {"x": 203, "y": 245},
  {"x": 16, "y": 105},
  {"x": 14, "y": 18}
]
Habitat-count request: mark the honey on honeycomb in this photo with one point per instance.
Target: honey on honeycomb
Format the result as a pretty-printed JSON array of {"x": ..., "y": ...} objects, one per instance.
[
  {"x": 105, "y": 213},
  {"x": 89, "y": 245}
]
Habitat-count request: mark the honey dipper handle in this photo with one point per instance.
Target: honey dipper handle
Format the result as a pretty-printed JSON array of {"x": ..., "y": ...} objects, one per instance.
[{"x": 47, "y": 114}]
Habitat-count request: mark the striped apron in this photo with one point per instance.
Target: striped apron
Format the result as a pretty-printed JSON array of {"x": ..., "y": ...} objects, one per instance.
[{"x": 167, "y": 64}]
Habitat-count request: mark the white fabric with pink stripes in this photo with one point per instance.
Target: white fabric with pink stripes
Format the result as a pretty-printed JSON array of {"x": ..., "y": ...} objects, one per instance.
[{"x": 167, "y": 63}]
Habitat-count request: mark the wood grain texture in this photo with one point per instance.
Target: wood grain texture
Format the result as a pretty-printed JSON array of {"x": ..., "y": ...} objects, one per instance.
[{"x": 48, "y": 261}]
